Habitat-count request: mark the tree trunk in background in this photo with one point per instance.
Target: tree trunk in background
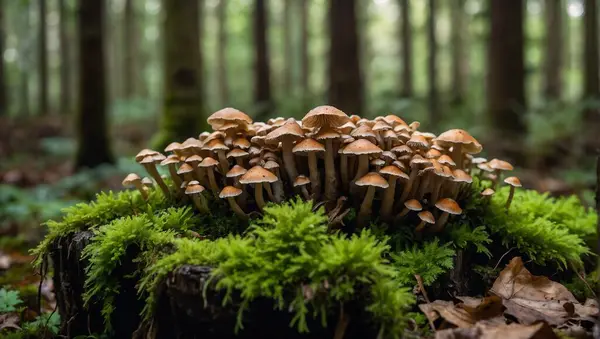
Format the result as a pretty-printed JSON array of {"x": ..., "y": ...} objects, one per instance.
[
  {"x": 129, "y": 48},
  {"x": 406, "y": 35},
  {"x": 506, "y": 75},
  {"x": 304, "y": 52},
  {"x": 3, "y": 101},
  {"x": 287, "y": 46},
  {"x": 459, "y": 57},
  {"x": 554, "y": 50},
  {"x": 262, "y": 83},
  {"x": 65, "y": 66},
  {"x": 431, "y": 65},
  {"x": 24, "y": 60},
  {"x": 222, "y": 52},
  {"x": 183, "y": 109},
  {"x": 43, "y": 58},
  {"x": 92, "y": 125},
  {"x": 345, "y": 82},
  {"x": 591, "y": 87}
]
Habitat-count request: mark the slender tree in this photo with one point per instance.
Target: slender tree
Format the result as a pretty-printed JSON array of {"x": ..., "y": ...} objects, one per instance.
[
  {"x": 221, "y": 52},
  {"x": 591, "y": 87},
  {"x": 304, "y": 52},
  {"x": 345, "y": 81},
  {"x": 43, "y": 58},
  {"x": 129, "y": 49},
  {"x": 25, "y": 59},
  {"x": 432, "y": 63},
  {"x": 554, "y": 48},
  {"x": 262, "y": 82},
  {"x": 287, "y": 45},
  {"x": 92, "y": 123},
  {"x": 183, "y": 106},
  {"x": 406, "y": 49},
  {"x": 506, "y": 73},
  {"x": 459, "y": 57},
  {"x": 65, "y": 65},
  {"x": 3, "y": 101}
]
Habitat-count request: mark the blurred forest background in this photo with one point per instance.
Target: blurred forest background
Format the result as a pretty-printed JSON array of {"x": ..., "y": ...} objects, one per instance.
[{"x": 84, "y": 84}]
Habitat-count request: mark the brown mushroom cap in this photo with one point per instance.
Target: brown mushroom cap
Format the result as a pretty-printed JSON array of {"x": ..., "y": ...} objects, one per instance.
[
  {"x": 172, "y": 147},
  {"x": 377, "y": 162},
  {"x": 242, "y": 143},
  {"x": 478, "y": 160},
  {"x": 289, "y": 130},
  {"x": 194, "y": 187},
  {"x": 427, "y": 217},
  {"x": 327, "y": 133},
  {"x": 236, "y": 171},
  {"x": 381, "y": 126},
  {"x": 185, "y": 168},
  {"x": 413, "y": 205},
  {"x": 193, "y": 158},
  {"x": 488, "y": 192},
  {"x": 501, "y": 165},
  {"x": 215, "y": 145},
  {"x": 208, "y": 162},
  {"x": 131, "y": 179},
  {"x": 237, "y": 153},
  {"x": 513, "y": 181},
  {"x": 401, "y": 150},
  {"x": 271, "y": 165},
  {"x": 308, "y": 145},
  {"x": 257, "y": 175},
  {"x": 388, "y": 156},
  {"x": 418, "y": 141},
  {"x": 214, "y": 135},
  {"x": 444, "y": 159},
  {"x": 145, "y": 153},
  {"x": 459, "y": 136},
  {"x": 394, "y": 120},
  {"x": 301, "y": 180},
  {"x": 171, "y": 159},
  {"x": 372, "y": 179},
  {"x": 394, "y": 171},
  {"x": 449, "y": 206},
  {"x": 228, "y": 114},
  {"x": 230, "y": 192},
  {"x": 191, "y": 144},
  {"x": 462, "y": 176},
  {"x": 347, "y": 127},
  {"x": 364, "y": 131},
  {"x": 362, "y": 147},
  {"x": 324, "y": 116},
  {"x": 202, "y": 136}
]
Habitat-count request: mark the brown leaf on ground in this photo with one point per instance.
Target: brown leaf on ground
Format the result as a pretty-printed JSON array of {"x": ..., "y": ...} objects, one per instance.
[
  {"x": 9, "y": 320},
  {"x": 485, "y": 331},
  {"x": 532, "y": 298},
  {"x": 467, "y": 313},
  {"x": 449, "y": 312}
]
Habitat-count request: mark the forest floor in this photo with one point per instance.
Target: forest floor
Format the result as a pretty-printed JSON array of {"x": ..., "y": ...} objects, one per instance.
[{"x": 37, "y": 181}]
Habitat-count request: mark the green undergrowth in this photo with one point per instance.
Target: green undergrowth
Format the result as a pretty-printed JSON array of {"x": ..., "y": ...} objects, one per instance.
[{"x": 291, "y": 257}]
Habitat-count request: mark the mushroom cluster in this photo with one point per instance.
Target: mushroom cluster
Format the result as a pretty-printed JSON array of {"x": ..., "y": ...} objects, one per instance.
[{"x": 382, "y": 167}]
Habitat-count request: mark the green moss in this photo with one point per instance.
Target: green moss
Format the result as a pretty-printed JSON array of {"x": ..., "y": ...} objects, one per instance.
[{"x": 429, "y": 260}]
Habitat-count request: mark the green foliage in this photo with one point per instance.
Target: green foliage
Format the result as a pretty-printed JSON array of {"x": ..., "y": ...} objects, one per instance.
[
  {"x": 584, "y": 290},
  {"x": 463, "y": 237},
  {"x": 9, "y": 300},
  {"x": 46, "y": 322},
  {"x": 429, "y": 261}
]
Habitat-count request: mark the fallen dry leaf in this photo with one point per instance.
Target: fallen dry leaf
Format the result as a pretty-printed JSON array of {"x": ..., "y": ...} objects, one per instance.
[
  {"x": 449, "y": 312},
  {"x": 532, "y": 298},
  {"x": 482, "y": 330},
  {"x": 467, "y": 313}
]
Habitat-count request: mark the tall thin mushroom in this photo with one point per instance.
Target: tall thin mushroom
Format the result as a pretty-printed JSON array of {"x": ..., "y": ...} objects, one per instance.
[
  {"x": 149, "y": 164},
  {"x": 311, "y": 148},
  {"x": 257, "y": 176},
  {"x": 328, "y": 135},
  {"x": 513, "y": 182},
  {"x": 230, "y": 193},
  {"x": 447, "y": 206},
  {"x": 371, "y": 180},
  {"x": 287, "y": 134},
  {"x": 461, "y": 142},
  {"x": 387, "y": 203},
  {"x": 194, "y": 189},
  {"x": 208, "y": 164},
  {"x": 134, "y": 180}
]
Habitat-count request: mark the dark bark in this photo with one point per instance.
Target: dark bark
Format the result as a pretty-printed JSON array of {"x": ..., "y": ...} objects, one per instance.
[
  {"x": 432, "y": 64},
  {"x": 554, "y": 49},
  {"x": 183, "y": 107},
  {"x": 406, "y": 49},
  {"x": 287, "y": 46},
  {"x": 459, "y": 57},
  {"x": 24, "y": 63},
  {"x": 506, "y": 75},
  {"x": 3, "y": 101},
  {"x": 262, "y": 82},
  {"x": 591, "y": 87},
  {"x": 43, "y": 58},
  {"x": 345, "y": 81},
  {"x": 65, "y": 65},
  {"x": 129, "y": 48},
  {"x": 222, "y": 52},
  {"x": 304, "y": 51},
  {"x": 92, "y": 124}
]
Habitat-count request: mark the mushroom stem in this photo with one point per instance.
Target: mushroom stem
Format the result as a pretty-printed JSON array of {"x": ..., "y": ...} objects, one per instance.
[
  {"x": 269, "y": 191},
  {"x": 223, "y": 162},
  {"x": 342, "y": 324},
  {"x": 420, "y": 226},
  {"x": 365, "y": 208},
  {"x": 236, "y": 208},
  {"x": 511, "y": 194},
  {"x": 315, "y": 181},
  {"x": 305, "y": 193},
  {"x": 258, "y": 196},
  {"x": 330, "y": 175},
  {"x": 200, "y": 175},
  {"x": 435, "y": 192},
  {"x": 403, "y": 213},
  {"x": 344, "y": 170},
  {"x": 140, "y": 187},
  {"x": 242, "y": 198},
  {"x": 200, "y": 203},
  {"x": 174, "y": 176},
  {"x": 409, "y": 184},
  {"x": 212, "y": 181},
  {"x": 439, "y": 224},
  {"x": 363, "y": 166},
  {"x": 456, "y": 155},
  {"x": 151, "y": 169},
  {"x": 289, "y": 162},
  {"x": 388, "y": 198}
]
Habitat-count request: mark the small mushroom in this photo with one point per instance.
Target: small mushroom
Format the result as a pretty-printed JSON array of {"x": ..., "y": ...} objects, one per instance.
[
  {"x": 171, "y": 161},
  {"x": 447, "y": 206},
  {"x": 498, "y": 166},
  {"x": 149, "y": 163},
  {"x": 235, "y": 173},
  {"x": 239, "y": 155},
  {"x": 301, "y": 181},
  {"x": 217, "y": 146},
  {"x": 487, "y": 194},
  {"x": 426, "y": 218},
  {"x": 134, "y": 180},
  {"x": 287, "y": 135},
  {"x": 277, "y": 195},
  {"x": 230, "y": 193},
  {"x": 312, "y": 148},
  {"x": 371, "y": 180},
  {"x": 461, "y": 142},
  {"x": 377, "y": 163},
  {"x": 387, "y": 203},
  {"x": 257, "y": 176},
  {"x": 208, "y": 164},
  {"x": 410, "y": 205},
  {"x": 194, "y": 189},
  {"x": 415, "y": 163},
  {"x": 513, "y": 182},
  {"x": 362, "y": 148},
  {"x": 327, "y": 135},
  {"x": 186, "y": 170}
]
